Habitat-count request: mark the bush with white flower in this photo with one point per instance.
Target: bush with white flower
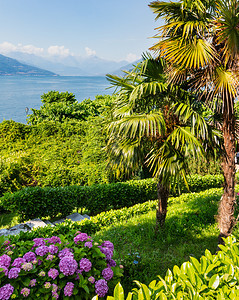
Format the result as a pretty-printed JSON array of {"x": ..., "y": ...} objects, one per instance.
[{"x": 57, "y": 268}]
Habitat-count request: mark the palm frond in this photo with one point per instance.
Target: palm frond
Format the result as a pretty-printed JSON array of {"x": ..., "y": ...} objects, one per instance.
[
  {"x": 186, "y": 54},
  {"x": 138, "y": 126}
]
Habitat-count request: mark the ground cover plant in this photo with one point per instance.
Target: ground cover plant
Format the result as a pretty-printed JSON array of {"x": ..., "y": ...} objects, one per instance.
[
  {"x": 211, "y": 277},
  {"x": 72, "y": 267}
]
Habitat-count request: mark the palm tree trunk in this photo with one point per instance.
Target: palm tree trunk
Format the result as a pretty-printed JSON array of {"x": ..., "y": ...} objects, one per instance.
[
  {"x": 163, "y": 194},
  {"x": 226, "y": 218}
]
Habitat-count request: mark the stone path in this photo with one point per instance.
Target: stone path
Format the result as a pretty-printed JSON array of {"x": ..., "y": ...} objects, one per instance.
[{"x": 28, "y": 226}]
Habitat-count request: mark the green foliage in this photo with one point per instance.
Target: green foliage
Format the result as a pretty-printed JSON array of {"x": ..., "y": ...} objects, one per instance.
[
  {"x": 63, "y": 106},
  {"x": 33, "y": 202},
  {"x": 211, "y": 277},
  {"x": 42, "y": 202},
  {"x": 53, "y": 153}
]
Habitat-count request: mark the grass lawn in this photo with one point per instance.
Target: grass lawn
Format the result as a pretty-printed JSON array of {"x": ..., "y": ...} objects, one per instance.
[{"x": 190, "y": 229}]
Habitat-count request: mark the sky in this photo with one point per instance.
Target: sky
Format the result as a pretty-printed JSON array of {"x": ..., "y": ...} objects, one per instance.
[{"x": 110, "y": 29}]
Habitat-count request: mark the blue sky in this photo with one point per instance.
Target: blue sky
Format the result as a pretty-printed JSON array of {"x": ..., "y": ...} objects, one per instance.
[{"x": 110, "y": 29}]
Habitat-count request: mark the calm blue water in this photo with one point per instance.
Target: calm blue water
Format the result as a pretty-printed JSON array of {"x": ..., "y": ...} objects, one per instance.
[{"x": 19, "y": 92}]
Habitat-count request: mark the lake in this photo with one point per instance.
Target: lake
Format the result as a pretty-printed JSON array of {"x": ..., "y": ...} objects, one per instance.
[{"x": 19, "y": 92}]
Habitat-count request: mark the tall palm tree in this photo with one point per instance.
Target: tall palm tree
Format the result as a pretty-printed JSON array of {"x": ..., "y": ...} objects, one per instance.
[
  {"x": 154, "y": 124},
  {"x": 200, "y": 42}
]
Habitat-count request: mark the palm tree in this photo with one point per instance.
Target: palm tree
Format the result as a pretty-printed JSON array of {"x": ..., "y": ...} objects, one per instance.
[
  {"x": 200, "y": 42},
  {"x": 154, "y": 124}
]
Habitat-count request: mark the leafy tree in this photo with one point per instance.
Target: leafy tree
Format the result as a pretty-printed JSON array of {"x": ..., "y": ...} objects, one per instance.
[
  {"x": 200, "y": 42},
  {"x": 63, "y": 106},
  {"x": 154, "y": 124}
]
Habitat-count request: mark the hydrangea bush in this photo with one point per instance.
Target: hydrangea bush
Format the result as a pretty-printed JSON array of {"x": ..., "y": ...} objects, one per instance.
[{"x": 57, "y": 268}]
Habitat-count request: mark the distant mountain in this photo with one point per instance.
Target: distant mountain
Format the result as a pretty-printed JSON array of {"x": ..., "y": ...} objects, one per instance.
[
  {"x": 70, "y": 65},
  {"x": 128, "y": 67},
  {"x": 9, "y": 66}
]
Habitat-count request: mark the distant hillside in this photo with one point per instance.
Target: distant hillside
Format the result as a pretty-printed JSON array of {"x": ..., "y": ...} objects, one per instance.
[
  {"x": 70, "y": 65},
  {"x": 128, "y": 67},
  {"x": 10, "y": 66}
]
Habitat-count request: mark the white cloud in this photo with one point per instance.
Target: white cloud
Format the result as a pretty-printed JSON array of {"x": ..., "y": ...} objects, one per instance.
[
  {"x": 58, "y": 50},
  {"x": 7, "y": 47},
  {"x": 132, "y": 57},
  {"x": 90, "y": 52}
]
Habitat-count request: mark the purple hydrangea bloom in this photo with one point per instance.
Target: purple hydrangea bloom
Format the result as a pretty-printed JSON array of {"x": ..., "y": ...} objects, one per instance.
[
  {"x": 82, "y": 237},
  {"x": 5, "y": 270},
  {"x": 68, "y": 289},
  {"x": 53, "y": 249},
  {"x": 32, "y": 282},
  {"x": 49, "y": 257},
  {"x": 25, "y": 292},
  {"x": 108, "y": 252},
  {"x": 111, "y": 263},
  {"x": 6, "y": 291},
  {"x": 39, "y": 262},
  {"x": 85, "y": 264},
  {"x": 107, "y": 273},
  {"x": 68, "y": 265},
  {"x": 5, "y": 260},
  {"x": 65, "y": 252},
  {"x": 101, "y": 287},
  {"x": 54, "y": 240},
  {"x": 53, "y": 273},
  {"x": 54, "y": 288},
  {"x": 13, "y": 273},
  {"x": 39, "y": 242},
  {"x": 29, "y": 256},
  {"x": 42, "y": 250},
  {"x": 55, "y": 295},
  {"x": 18, "y": 262},
  {"x": 88, "y": 244},
  {"x": 108, "y": 244}
]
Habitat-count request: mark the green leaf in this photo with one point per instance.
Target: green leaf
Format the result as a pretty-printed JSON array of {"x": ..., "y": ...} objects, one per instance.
[
  {"x": 119, "y": 292},
  {"x": 214, "y": 281}
]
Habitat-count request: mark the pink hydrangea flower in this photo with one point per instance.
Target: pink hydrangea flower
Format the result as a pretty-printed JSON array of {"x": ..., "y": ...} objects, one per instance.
[
  {"x": 53, "y": 273},
  {"x": 25, "y": 292}
]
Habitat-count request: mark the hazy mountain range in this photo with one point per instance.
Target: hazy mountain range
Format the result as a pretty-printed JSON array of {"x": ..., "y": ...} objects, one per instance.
[
  {"x": 63, "y": 66},
  {"x": 9, "y": 66}
]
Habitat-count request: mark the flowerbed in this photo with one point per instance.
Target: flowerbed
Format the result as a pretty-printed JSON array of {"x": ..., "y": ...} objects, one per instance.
[{"x": 57, "y": 268}]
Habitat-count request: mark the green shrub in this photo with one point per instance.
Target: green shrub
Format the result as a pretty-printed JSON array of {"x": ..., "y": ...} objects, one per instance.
[
  {"x": 43, "y": 202},
  {"x": 37, "y": 202},
  {"x": 111, "y": 217},
  {"x": 211, "y": 277}
]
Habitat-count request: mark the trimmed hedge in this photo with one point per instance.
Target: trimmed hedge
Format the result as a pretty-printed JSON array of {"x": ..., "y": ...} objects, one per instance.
[
  {"x": 109, "y": 218},
  {"x": 34, "y": 202}
]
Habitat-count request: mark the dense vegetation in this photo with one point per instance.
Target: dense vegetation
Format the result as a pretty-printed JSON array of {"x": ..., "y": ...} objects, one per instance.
[{"x": 53, "y": 153}]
